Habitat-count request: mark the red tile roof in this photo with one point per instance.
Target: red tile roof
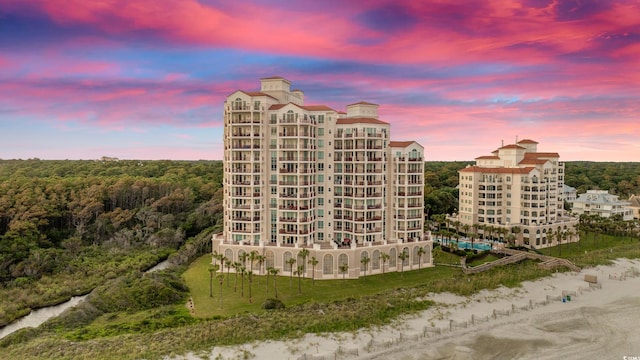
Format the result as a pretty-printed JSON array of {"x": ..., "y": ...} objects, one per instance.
[
  {"x": 362, "y": 103},
  {"x": 360, "y": 120},
  {"x": 527, "y": 141},
  {"x": 532, "y": 161},
  {"x": 400, "y": 144},
  {"x": 500, "y": 170},
  {"x": 511, "y": 146},
  {"x": 542, "y": 155},
  {"x": 488, "y": 157},
  {"x": 317, "y": 108},
  {"x": 256, "y": 93}
]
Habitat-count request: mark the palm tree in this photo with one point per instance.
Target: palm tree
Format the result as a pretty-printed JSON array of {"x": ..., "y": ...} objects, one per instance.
[
  {"x": 343, "y": 269},
  {"x": 365, "y": 261},
  {"x": 250, "y": 275},
  {"x": 304, "y": 254},
  {"x": 466, "y": 228},
  {"x": 299, "y": 271},
  {"x": 559, "y": 236},
  {"x": 243, "y": 257},
  {"x": 313, "y": 261},
  {"x": 448, "y": 221},
  {"x": 421, "y": 252},
  {"x": 260, "y": 259},
  {"x": 457, "y": 225},
  {"x": 228, "y": 265},
  {"x": 384, "y": 257},
  {"x": 439, "y": 219},
  {"x": 243, "y": 272},
  {"x": 402, "y": 256},
  {"x": 236, "y": 266},
  {"x": 220, "y": 278},
  {"x": 515, "y": 230},
  {"x": 212, "y": 272},
  {"x": 511, "y": 240},
  {"x": 253, "y": 256},
  {"x": 220, "y": 258},
  {"x": 290, "y": 262},
  {"x": 274, "y": 272},
  {"x": 483, "y": 227},
  {"x": 570, "y": 235}
]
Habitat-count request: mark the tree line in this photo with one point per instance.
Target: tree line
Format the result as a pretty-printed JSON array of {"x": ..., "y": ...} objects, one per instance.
[{"x": 51, "y": 207}]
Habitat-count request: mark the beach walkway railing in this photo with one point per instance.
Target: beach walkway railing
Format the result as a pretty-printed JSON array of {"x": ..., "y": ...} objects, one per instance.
[{"x": 512, "y": 256}]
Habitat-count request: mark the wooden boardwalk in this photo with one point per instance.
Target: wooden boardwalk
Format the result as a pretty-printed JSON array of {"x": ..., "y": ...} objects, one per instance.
[{"x": 513, "y": 256}]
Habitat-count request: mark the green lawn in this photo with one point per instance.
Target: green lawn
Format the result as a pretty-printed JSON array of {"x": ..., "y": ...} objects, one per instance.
[
  {"x": 441, "y": 278},
  {"x": 600, "y": 250},
  {"x": 197, "y": 278}
]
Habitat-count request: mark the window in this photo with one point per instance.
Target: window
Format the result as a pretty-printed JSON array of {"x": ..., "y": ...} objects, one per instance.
[{"x": 327, "y": 264}]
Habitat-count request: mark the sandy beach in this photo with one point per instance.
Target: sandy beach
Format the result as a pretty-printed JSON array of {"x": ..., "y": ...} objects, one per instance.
[{"x": 559, "y": 317}]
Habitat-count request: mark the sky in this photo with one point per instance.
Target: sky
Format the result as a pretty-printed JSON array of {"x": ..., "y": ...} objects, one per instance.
[{"x": 146, "y": 79}]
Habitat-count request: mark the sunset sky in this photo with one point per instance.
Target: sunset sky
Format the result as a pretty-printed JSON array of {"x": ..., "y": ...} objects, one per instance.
[{"x": 146, "y": 79}]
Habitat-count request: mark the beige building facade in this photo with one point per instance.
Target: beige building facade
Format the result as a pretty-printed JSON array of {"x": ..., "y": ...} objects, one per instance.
[
  {"x": 519, "y": 189},
  {"x": 309, "y": 177}
]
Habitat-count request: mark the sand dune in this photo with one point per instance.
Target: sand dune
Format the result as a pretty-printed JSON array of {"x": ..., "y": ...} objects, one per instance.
[{"x": 530, "y": 322}]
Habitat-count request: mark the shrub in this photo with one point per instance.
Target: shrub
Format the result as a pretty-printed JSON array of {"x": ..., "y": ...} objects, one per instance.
[{"x": 272, "y": 304}]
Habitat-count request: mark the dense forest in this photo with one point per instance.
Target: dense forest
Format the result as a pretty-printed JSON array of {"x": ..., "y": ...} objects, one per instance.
[
  {"x": 619, "y": 178},
  {"x": 67, "y": 226},
  {"x": 84, "y": 221}
]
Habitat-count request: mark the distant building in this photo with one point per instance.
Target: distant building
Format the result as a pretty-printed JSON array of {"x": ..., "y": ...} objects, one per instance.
[
  {"x": 634, "y": 204},
  {"x": 517, "y": 188},
  {"x": 603, "y": 204},
  {"x": 309, "y": 177},
  {"x": 569, "y": 194}
]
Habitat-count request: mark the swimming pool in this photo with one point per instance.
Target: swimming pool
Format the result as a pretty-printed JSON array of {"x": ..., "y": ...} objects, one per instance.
[{"x": 466, "y": 244}]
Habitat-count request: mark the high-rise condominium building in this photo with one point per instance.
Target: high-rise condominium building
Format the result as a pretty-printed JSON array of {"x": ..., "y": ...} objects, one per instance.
[
  {"x": 517, "y": 191},
  {"x": 306, "y": 181}
]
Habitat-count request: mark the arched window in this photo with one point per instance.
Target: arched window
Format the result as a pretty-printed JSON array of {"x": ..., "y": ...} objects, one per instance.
[
  {"x": 363, "y": 255},
  {"x": 416, "y": 260},
  {"x": 392, "y": 257},
  {"x": 237, "y": 104},
  {"x": 375, "y": 260},
  {"x": 285, "y": 258},
  {"x": 229, "y": 255},
  {"x": 327, "y": 264},
  {"x": 406, "y": 261},
  {"x": 270, "y": 259},
  {"x": 427, "y": 254},
  {"x": 343, "y": 259}
]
